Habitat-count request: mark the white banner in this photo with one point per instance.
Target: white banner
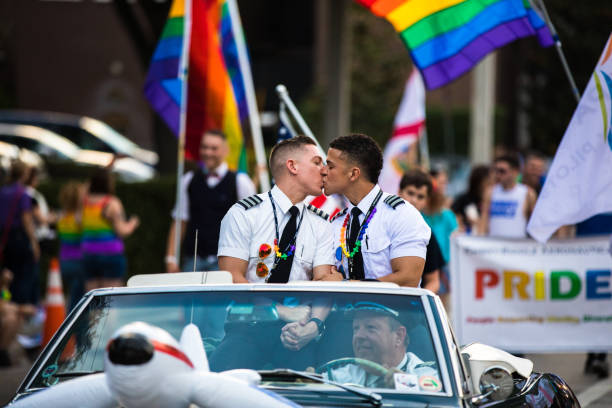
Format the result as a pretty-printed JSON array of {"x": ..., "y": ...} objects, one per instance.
[{"x": 523, "y": 296}]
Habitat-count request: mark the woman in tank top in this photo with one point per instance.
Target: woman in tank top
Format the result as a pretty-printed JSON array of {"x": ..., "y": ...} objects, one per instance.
[
  {"x": 104, "y": 227},
  {"x": 69, "y": 230}
]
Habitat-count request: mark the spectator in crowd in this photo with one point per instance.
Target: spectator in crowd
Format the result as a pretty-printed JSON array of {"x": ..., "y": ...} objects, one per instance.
[
  {"x": 19, "y": 250},
  {"x": 439, "y": 177},
  {"x": 468, "y": 206},
  {"x": 43, "y": 217},
  {"x": 207, "y": 195},
  {"x": 69, "y": 229},
  {"x": 416, "y": 187},
  {"x": 508, "y": 204},
  {"x": 104, "y": 228},
  {"x": 534, "y": 170},
  {"x": 9, "y": 317},
  {"x": 443, "y": 223}
]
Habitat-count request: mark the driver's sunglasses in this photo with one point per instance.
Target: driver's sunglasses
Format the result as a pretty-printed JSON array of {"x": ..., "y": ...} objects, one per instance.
[{"x": 262, "y": 269}]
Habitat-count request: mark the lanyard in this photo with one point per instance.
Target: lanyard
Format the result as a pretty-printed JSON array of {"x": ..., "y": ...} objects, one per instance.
[
  {"x": 276, "y": 260},
  {"x": 348, "y": 230}
]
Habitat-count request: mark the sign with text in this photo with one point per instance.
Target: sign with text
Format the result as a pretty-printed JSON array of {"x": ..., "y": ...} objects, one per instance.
[{"x": 523, "y": 296}]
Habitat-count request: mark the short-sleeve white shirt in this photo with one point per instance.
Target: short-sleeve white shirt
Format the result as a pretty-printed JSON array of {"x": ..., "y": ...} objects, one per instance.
[
  {"x": 243, "y": 231},
  {"x": 355, "y": 374},
  {"x": 391, "y": 233},
  {"x": 244, "y": 188}
]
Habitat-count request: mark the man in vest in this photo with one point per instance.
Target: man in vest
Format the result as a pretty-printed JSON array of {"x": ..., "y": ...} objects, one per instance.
[
  {"x": 208, "y": 194},
  {"x": 508, "y": 205}
]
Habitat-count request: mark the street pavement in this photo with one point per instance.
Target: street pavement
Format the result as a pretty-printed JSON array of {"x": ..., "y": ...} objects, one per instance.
[{"x": 591, "y": 391}]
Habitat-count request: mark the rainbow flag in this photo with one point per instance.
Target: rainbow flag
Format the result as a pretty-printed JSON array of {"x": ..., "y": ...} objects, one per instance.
[
  {"x": 215, "y": 87},
  {"x": 446, "y": 38}
]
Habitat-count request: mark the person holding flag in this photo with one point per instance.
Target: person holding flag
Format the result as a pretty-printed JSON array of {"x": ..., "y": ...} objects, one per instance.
[
  {"x": 200, "y": 79},
  {"x": 378, "y": 236}
]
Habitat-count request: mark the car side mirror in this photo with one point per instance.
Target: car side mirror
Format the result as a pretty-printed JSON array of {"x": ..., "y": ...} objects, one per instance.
[{"x": 492, "y": 370}]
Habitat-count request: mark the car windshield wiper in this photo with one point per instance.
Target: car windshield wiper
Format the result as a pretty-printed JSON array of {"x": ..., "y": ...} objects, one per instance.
[
  {"x": 374, "y": 398},
  {"x": 75, "y": 373}
]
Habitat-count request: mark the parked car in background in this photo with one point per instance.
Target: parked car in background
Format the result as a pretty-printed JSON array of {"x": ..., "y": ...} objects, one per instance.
[
  {"x": 368, "y": 326},
  {"x": 10, "y": 152},
  {"x": 87, "y": 133},
  {"x": 52, "y": 146}
]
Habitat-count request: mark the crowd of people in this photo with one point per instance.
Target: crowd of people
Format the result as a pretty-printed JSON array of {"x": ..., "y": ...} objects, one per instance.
[
  {"x": 275, "y": 236},
  {"x": 90, "y": 226}
]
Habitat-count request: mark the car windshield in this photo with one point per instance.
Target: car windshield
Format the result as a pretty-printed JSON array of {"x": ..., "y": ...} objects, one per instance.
[{"x": 378, "y": 341}]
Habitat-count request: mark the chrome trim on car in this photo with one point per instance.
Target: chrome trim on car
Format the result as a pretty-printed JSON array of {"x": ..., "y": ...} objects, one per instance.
[
  {"x": 52, "y": 345},
  {"x": 433, "y": 327},
  {"x": 453, "y": 347}
]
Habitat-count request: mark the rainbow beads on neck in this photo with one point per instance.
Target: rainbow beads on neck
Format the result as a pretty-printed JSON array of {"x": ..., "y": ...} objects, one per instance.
[
  {"x": 279, "y": 254},
  {"x": 362, "y": 231}
]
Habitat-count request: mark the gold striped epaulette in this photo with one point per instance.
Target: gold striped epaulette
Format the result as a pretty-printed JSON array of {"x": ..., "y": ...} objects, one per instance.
[
  {"x": 250, "y": 202},
  {"x": 318, "y": 211},
  {"x": 340, "y": 214},
  {"x": 393, "y": 201}
]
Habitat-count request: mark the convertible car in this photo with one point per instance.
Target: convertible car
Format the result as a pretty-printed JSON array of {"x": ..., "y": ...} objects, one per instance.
[{"x": 315, "y": 344}]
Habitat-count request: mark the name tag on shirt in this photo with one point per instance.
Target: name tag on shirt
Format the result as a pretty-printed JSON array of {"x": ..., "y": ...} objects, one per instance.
[{"x": 405, "y": 382}]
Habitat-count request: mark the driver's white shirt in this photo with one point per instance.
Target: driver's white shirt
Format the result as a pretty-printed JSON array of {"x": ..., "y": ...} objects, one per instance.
[{"x": 355, "y": 374}]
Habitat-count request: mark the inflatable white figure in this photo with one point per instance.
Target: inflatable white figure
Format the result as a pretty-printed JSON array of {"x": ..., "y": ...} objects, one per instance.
[{"x": 145, "y": 366}]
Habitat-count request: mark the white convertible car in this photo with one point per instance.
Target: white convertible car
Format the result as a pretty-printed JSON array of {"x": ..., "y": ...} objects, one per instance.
[{"x": 315, "y": 344}]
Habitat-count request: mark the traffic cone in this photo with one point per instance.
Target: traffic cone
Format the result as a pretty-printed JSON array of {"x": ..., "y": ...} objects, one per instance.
[{"x": 55, "y": 304}]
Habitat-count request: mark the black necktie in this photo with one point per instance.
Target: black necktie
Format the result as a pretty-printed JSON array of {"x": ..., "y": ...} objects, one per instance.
[
  {"x": 356, "y": 272},
  {"x": 280, "y": 274}
]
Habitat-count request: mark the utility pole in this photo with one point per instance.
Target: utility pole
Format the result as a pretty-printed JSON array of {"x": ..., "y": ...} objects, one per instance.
[{"x": 483, "y": 110}]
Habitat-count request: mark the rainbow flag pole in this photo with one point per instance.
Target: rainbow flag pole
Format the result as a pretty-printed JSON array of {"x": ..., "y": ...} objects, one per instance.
[
  {"x": 251, "y": 102},
  {"x": 199, "y": 79},
  {"x": 184, "y": 79}
]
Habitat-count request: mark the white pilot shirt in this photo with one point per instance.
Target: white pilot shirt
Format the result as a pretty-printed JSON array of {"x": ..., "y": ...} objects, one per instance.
[
  {"x": 355, "y": 374},
  {"x": 392, "y": 233},
  {"x": 244, "y": 188},
  {"x": 243, "y": 231}
]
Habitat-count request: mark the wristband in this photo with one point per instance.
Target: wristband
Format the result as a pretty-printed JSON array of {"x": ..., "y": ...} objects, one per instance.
[
  {"x": 320, "y": 327},
  {"x": 171, "y": 259}
]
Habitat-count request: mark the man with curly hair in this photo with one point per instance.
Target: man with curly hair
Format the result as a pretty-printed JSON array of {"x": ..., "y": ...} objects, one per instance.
[{"x": 378, "y": 236}]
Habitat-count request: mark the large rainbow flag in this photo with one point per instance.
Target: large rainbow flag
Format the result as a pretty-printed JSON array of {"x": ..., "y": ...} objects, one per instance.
[
  {"x": 215, "y": 87},
  {"x": 446, "y": 38}
]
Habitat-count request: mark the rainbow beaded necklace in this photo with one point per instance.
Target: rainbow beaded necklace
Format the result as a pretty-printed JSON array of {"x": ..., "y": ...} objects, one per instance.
[
  {"x": 362, "y": 229},
  {"x": 291, "y": 247}
]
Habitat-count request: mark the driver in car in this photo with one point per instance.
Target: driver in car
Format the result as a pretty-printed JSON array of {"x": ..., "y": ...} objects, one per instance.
[{"x": 379, "y": 336}]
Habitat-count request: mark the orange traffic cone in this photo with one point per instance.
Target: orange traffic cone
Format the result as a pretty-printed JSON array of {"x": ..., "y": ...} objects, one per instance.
[{"x": 55, "y": 305}]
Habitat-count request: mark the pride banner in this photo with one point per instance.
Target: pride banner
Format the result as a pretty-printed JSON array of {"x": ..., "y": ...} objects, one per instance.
[{"x": 523, "y": 296}]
